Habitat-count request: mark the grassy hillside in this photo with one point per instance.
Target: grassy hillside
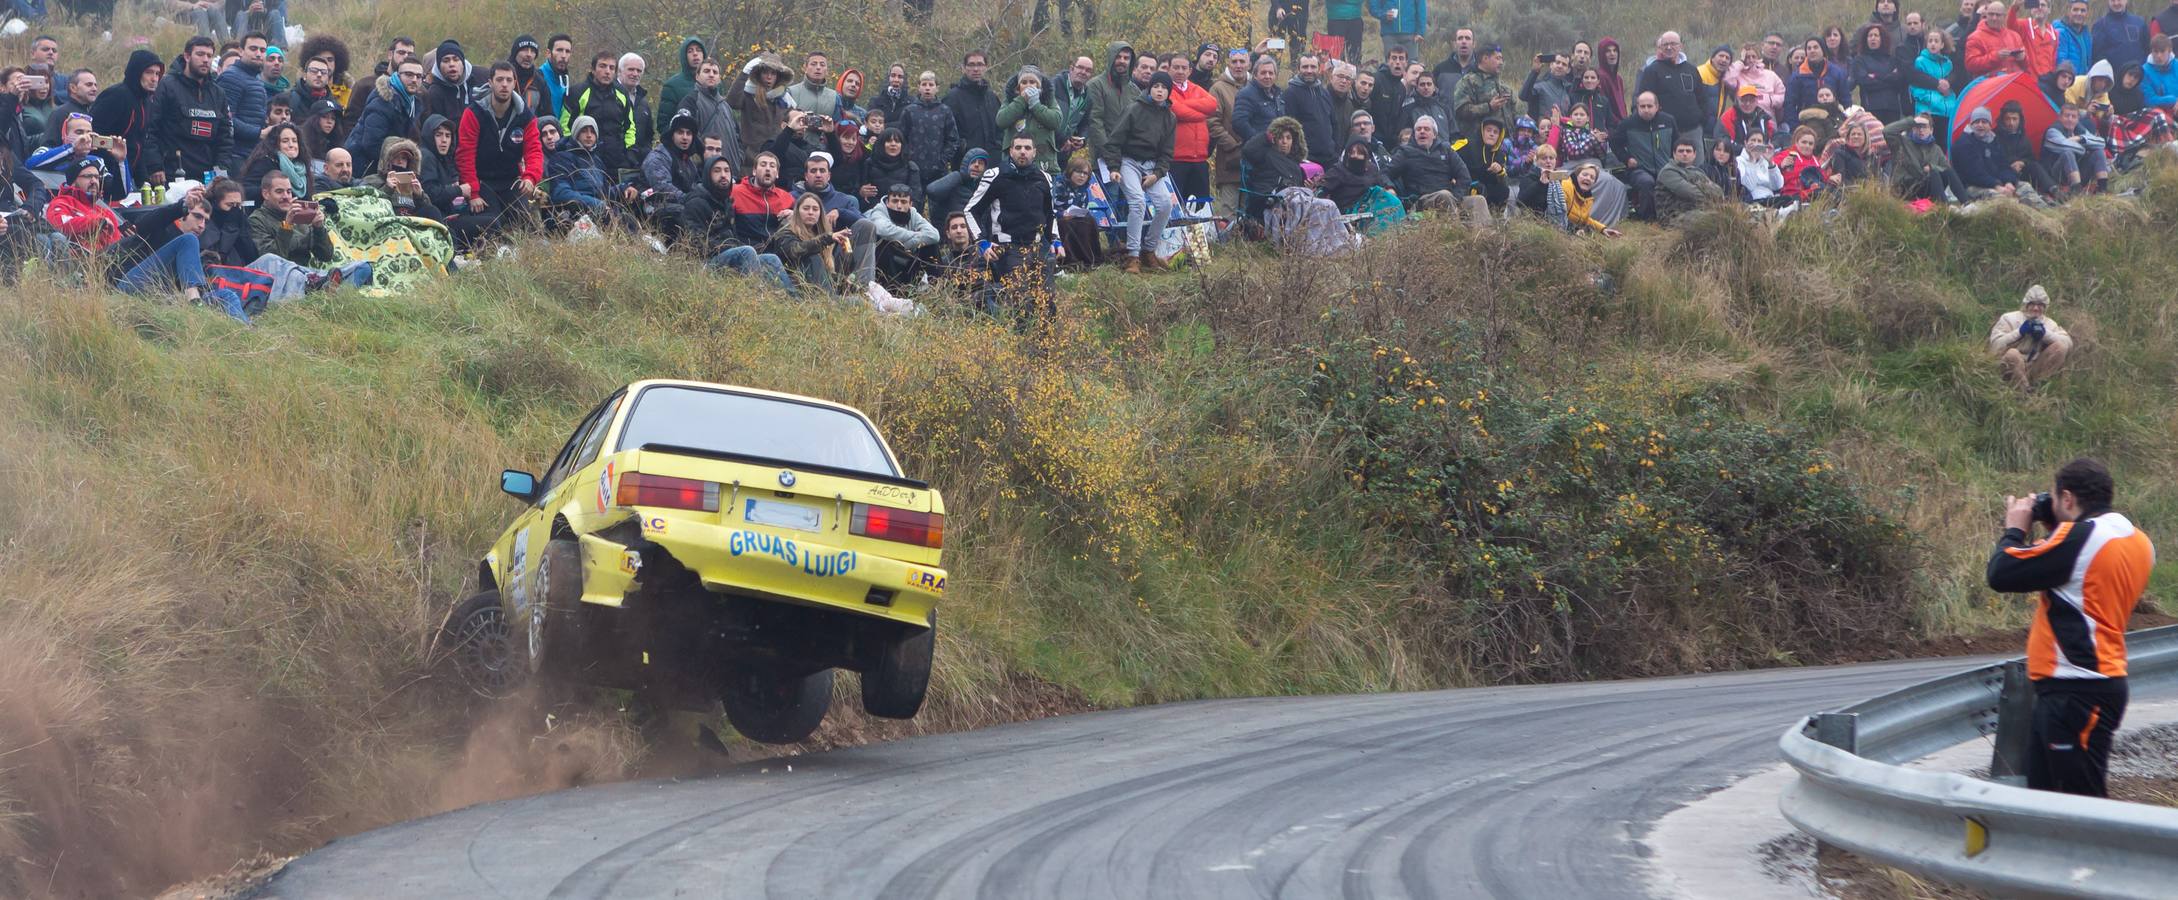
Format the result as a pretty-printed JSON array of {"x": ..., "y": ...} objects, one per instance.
[{"x": 1453, "y": 458}]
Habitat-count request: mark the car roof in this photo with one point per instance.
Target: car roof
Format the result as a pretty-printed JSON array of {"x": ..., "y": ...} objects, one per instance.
[{"x": 738, "y": 389}]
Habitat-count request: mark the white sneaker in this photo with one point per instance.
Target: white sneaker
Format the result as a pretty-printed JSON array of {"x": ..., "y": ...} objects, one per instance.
[{"x": 655, "y": 244}]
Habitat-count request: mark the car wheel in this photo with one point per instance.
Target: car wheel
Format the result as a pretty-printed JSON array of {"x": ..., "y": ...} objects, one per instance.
[
  {"x": 771, "y": 707},
  {"x": 480, "y": 642},
  {"x": 898, "y": 678},
  {"x": 553, "y": 625}
]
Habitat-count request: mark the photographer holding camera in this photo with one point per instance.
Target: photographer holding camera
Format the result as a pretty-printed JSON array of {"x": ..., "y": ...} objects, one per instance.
[
  {"x": 2089, "y": 572},
  {"x": 2028, "y": 344}
]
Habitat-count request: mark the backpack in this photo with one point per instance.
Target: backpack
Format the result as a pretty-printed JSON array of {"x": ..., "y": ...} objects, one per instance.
[{"x": 252, "y": 287}]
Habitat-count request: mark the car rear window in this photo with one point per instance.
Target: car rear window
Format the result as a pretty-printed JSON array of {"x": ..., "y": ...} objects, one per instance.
[{"x": 755, "y": 426}]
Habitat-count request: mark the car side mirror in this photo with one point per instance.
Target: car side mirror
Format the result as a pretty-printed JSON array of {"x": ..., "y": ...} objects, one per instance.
[{"x": 518, "y": 484}]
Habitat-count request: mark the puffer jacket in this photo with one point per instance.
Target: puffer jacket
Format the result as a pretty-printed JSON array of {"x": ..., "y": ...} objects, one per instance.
[
  {"x": 389, "y": 113},
  {"x": 576, "y": 175},
  {"x": 763, "y": 112},
  {"x": 1928, "y": 99},
  {"x": 1193, "y": 107},
  {"x": 683, "y": 82},
  {"x": 247, "y": 97},
  {"x": 933, "y": 138},
  {"x": 1265, "y": 171}
]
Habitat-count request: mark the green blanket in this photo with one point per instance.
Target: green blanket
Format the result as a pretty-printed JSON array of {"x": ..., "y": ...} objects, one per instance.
[{"x": 403, "y": 250}]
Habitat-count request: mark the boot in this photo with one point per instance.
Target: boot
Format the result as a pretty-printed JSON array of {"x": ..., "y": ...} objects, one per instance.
[
  {"x": 1133, "y": 265},
  {"x": 1153, "y": 262}
]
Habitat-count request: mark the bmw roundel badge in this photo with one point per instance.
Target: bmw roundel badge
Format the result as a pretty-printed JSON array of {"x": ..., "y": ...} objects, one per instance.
[{"x": 786, "y": 478}]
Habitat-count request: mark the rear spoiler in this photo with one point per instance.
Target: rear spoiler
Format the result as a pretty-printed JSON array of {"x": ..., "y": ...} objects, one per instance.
[{"x": 840, "y": 471}]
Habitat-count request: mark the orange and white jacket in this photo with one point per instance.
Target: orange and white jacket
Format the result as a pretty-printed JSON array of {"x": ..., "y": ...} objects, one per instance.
[
  {"x": 77, "y": 215},
  {"x": 2089, "y": 573}
]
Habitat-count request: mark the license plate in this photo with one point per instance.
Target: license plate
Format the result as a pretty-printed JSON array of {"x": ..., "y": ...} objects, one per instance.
[{"x": 782, "y": 515}]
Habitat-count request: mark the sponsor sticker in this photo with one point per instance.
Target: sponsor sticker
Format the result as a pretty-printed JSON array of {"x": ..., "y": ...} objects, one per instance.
[
  {"x": 655, "y": 523},
  {"x": 605, "y": 487},
  {"x": 926, "y": 581}
]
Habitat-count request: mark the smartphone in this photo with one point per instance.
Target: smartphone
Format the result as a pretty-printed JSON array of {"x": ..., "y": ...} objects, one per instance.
[
  {"x": 36, "y": 82},
  {"x": 103, "y": 142},
  {"x": 1275, "y": 44}
]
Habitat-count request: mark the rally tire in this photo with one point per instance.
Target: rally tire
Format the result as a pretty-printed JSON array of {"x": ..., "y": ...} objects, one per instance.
[
  {"x": 772, "y": 707},
  {"x": 553, "y": 636},
  {"x": 898, "y": 677},
  {"x": 479, "y": 640}
]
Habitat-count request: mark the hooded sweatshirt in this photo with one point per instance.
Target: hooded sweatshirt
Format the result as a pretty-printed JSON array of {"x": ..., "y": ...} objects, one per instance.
[
  {"x": 124, "y": 110},
  {"x": 1039, "y": 120},
  {"x": 449, "y": 98},
  {"x": 682, "y": 84},
  {"x": 438, "y": 171},
  {"x": 1110, "y": 93},
  {"x": 497, "y": 148}
]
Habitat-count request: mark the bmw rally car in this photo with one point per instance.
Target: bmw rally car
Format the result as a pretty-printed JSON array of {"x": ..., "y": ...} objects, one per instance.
[{"x": 712, "y": 543}]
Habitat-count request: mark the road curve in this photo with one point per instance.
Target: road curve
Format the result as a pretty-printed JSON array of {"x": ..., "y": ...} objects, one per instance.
[{"x": 1536, "y": 791}]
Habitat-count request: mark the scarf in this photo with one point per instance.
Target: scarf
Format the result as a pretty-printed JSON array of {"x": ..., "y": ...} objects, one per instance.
[{"x": 295, "y": 174}]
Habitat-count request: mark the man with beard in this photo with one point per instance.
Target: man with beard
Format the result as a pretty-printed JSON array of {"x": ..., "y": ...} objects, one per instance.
[
  {"x": 711, "y": 225},
  {"x": 528, "y": 81},
  {"x": 1013, "y": 218},
  {"x": 712, "y": 115},
  {"x": 553, "y": 74},
  {"x": 1110, "y": 94},
  {"x": 190, "y": 124},
  {"x": 454, "y": 84},
  {"x": 1309, "y": 102},
  {"x": 244, "y": 87},
  {"x": 760, "y": 204},
  {"x": 497, "y": 151},
  {"x": 390, "y": 113}
]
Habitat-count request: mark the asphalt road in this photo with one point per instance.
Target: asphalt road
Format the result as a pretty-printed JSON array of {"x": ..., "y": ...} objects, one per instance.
[{"x": 1495, "y": 792}]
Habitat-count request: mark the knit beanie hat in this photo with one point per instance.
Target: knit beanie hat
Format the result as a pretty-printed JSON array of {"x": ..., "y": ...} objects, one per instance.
[
  {"x": 1161, "y": 78},
  {"x": 450, "y": 47}
]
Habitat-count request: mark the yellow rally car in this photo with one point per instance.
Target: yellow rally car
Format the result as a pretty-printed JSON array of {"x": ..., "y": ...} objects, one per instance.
[{"x": 712, "y": 543}]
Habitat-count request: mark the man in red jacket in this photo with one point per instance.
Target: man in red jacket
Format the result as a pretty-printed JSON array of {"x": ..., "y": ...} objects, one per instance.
[
  {"x": 1992, "y": 47},
  {"x": 1193, "y": 106},
  {"x": 2036, "y": 34},
  {"x": 497, "y": 153}
]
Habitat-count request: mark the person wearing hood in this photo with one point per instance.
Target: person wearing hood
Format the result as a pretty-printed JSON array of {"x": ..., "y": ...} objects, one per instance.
[
  {"x": 712, "y": 225},
  {"x": 1486, "y": 163},
  {"x": 707, "y": 104},
  {"x": 2028, "y": 344},
  {"x": 1308, "y": 101},
  {"x": 692, "y": 55},
  {"x": 974, "y": 104},
  {"x": 1111, "y": 93},
  {"x": 949, "y": 194},
  {"x": 191, "y": 128},
  {"x": 672, "y": 169},
  {"x": 888, "y": 164},
  {"x": 898, "y": 91},
  {"x": 1348, "y": 183},
  {"x": 601, "y": 98},
  {"x": 528, "y": 81},
  {"x": 758, "y": 93},
  {"x": 497, "y": 150},
  {"x": 399, "y": 183},
  {"x": 226, "y": 236},
  {"x": 454, "y": 83},
  {"x": 390, "y": 113},
  {"x": 243, "y": 85},
  {"x": 2127, "y": 97},
  {"x": 1033, "y": 111},
  {"x": 441, "y": 175},
  {"x": 2121, "y": 37},
  {"x": 849, "y": 85},
  {"x": 1612, "y": 83},
  {"x": 933, "y": 137},
  {"x": 1139, "y": 151},
  {"x": 2096, "y": 86},
  {"x": 1272, "y": 160}
]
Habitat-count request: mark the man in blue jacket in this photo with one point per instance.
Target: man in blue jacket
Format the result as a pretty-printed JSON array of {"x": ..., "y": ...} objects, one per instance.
[
  {"x": 244, "y": 86},
  {"x": 2120, "y": 36},
  {"x": 1980, "y": 161},
  {"x": 2076, "y": 37}
]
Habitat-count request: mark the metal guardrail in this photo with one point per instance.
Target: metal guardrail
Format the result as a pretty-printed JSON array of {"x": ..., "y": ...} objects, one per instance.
[{"x": 1983, "y": 834}]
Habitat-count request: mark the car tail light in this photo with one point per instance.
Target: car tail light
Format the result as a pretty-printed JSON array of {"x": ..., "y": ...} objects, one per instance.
[
  {"x": 639, "y": 489},
  {"x": 903, "y": 525}
]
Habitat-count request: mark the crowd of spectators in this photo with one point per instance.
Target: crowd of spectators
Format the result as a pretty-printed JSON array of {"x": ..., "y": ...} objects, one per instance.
[{"x": 828, "y": 177}]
